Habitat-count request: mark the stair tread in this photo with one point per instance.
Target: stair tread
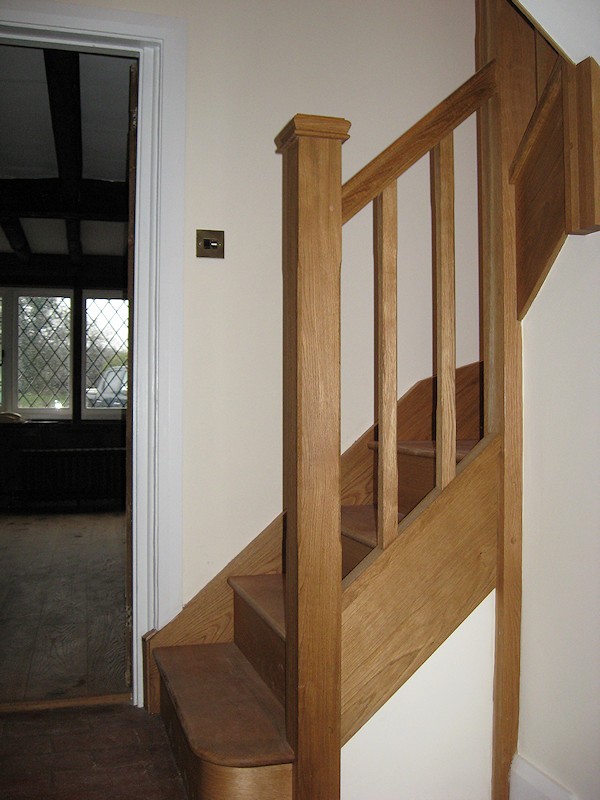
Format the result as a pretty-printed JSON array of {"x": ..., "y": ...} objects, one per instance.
[
  {"x": 265, "y": 594},
  {"x": 360, "y": 523},
  {"x": 426, "y": 449},
  {"x": 228, "y": 715}
]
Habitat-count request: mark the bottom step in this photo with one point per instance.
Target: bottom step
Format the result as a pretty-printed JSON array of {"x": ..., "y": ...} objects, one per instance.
[{"x": 226, "y": 728}]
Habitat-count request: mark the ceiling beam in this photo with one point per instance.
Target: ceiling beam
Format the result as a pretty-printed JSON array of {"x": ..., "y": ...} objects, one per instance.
[
  {"x": 41, "y": 198},
  {"x": 94, "y": 272},
  {"x": 17, "y": 239},
  {"x": 73, "y": 228},
  {"x": 62, "y": 75}
]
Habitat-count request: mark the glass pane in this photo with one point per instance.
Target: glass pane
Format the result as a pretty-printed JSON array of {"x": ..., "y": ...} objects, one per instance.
[
  {"x": 44, "y": 352},
  {"x": 106, "y": 350}
]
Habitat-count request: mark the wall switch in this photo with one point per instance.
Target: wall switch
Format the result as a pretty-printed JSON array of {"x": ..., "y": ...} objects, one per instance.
[{"x": 210, "y": 244}]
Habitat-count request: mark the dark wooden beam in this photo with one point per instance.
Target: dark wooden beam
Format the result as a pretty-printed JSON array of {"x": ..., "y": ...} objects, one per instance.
[
  {"x": 62, "y": 75},
  {"x": 13, "y": 230},
  {"x": 73, "y": 229},
  {"x": 41, "y": 198},
  {"x": 94, "y": 272}
]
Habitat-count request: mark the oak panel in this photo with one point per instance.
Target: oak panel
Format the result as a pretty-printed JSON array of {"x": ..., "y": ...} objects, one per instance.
[
  {"x": 582, "y": 146},
  {"x": 538, "y": 173},
  {"x": 416, "y": 592}
]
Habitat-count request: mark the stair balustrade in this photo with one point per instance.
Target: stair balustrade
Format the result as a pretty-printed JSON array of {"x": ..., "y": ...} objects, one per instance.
[{"x": 315, "y": 207}]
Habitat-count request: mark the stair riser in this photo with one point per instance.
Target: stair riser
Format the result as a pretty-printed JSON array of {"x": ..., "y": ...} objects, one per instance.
[
  {"x": 416, "y": 478},
  {"x": 352, "y": 554},
  {"x": 262, "y": 646},
  {"x": 189, "y": 765}
]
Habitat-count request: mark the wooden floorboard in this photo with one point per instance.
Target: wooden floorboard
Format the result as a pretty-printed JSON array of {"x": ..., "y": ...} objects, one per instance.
[{"x": 62, "y": 616}]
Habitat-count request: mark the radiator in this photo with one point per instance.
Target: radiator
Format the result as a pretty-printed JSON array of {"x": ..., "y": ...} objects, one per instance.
[{"x": 73, "y": 477}]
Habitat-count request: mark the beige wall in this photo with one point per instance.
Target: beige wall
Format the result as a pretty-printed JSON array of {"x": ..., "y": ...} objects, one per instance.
[
  {"x": 560, "y": 676},
  {"x": 251, "y": 66},
  {"x": 432, "y": 739},
  {"x": 559, "y": 732}
]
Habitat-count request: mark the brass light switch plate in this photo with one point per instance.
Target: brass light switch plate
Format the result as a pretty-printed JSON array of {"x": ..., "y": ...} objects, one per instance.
[{"x": 210, "y": 244}]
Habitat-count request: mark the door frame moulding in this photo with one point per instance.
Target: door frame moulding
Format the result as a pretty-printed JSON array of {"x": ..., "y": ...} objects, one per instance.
[{"x": 160, "y": 45}]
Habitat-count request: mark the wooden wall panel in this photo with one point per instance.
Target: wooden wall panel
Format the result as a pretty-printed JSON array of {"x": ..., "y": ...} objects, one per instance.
[
  {"x": 582, "y": 146},
  {"x": 538, "y": 174},
  {"x": 546, "y": 59},
  {"x": 409, "y": 599}
]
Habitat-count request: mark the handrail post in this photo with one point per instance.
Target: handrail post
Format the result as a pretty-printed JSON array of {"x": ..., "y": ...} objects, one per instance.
[
  {"x": 385, "y": 246},
  {"x": 312, "y": 231}
]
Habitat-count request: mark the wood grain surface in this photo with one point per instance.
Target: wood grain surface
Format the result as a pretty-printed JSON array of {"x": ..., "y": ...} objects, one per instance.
[
  {"x": 385, "y": 246},
  {"x": 408, "y": 600},
  {"x": 442, "y": 205}
]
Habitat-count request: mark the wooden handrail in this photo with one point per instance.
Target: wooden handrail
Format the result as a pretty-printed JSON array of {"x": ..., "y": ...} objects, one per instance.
[{"x": 417, "y": 141}]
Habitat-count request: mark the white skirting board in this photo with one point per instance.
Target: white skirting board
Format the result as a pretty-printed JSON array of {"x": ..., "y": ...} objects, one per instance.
[{"x": 529, "y": 783}]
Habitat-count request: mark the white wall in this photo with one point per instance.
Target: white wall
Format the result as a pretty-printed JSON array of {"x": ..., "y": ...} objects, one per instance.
[
  {"x": 560, "y": 677},
  {"x": 560, "y": 672},
  {"x": 431, "y": 740}
]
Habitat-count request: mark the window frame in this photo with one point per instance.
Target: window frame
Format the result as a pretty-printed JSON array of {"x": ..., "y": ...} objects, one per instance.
[
  {"x": 97, "y": 413},
  {"x": 9, "y": 296},
  {"x": 10, "y": 347}
]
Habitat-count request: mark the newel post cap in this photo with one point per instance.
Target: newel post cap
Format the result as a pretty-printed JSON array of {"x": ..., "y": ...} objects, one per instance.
[{"x": 311, "y": 125}]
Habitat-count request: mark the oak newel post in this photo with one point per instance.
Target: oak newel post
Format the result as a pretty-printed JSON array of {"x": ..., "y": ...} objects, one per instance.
[{"x": 312, "y": 228}]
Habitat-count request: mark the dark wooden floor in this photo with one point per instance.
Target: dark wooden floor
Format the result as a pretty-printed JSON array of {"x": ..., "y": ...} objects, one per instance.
[
  {"x": 62, "y": 630},
  {"x": 102, "y": 753}
]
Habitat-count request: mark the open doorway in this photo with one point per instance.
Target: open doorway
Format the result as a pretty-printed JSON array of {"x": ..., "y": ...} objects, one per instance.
[
  {"x": 66, "y": 278},
  {"x": 159, "y": 44}
]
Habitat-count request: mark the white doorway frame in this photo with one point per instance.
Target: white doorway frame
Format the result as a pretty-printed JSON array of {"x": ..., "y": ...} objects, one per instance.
[{"x": 160, "y": 45}]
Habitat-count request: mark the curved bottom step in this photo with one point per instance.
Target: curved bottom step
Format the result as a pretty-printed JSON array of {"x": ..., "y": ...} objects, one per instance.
[{"x": 226, "y": 728}]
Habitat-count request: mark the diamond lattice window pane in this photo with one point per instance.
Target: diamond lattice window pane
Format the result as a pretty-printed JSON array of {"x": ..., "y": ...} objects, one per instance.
[
  {"x": 106, "y": 352},
  {"x": 44, "y": 352}
]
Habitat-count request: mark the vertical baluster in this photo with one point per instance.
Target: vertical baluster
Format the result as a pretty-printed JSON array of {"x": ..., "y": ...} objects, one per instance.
[
  {"x": 442, "y": 200},
  {"x": 312, "y": 238},
  {"x": 385, "y": 246}
]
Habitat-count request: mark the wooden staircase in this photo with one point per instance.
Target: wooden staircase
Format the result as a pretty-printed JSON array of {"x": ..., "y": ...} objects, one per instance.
[
  {"x": 223, "y": 704},
  {"x": 381, "y": 553}
]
